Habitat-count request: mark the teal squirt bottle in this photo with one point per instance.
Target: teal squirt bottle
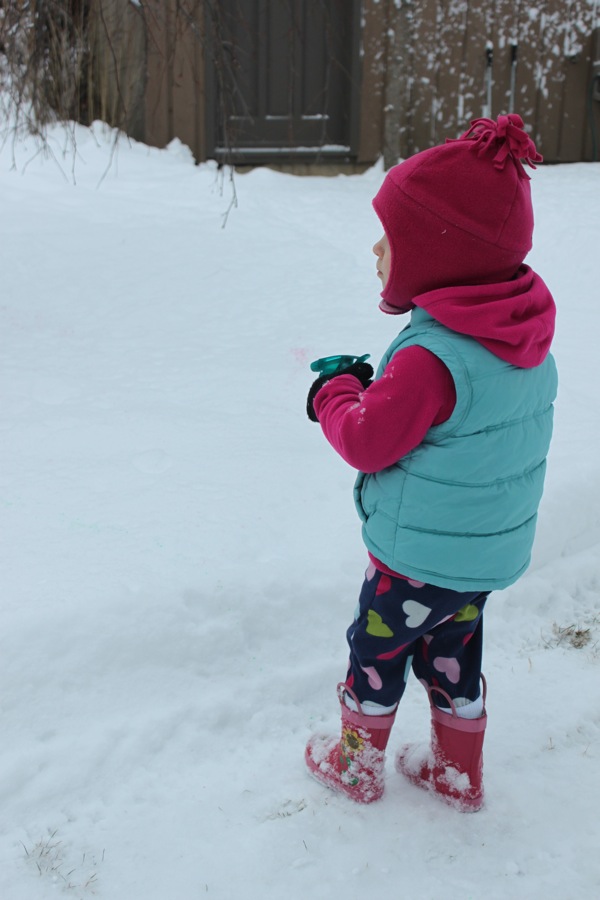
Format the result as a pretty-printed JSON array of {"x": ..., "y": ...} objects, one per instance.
[{"x": 330, "y": 365}]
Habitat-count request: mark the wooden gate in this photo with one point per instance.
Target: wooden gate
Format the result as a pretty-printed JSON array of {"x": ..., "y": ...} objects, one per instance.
[{"x": 282, "y": 79}]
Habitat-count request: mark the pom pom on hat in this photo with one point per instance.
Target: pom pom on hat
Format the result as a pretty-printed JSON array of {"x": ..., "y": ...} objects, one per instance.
[
  {"x": 459, "y": 213},
  {"x": 506, "y": 136}
]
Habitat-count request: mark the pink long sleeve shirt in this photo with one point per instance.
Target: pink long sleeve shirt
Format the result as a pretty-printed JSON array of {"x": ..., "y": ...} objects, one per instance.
[{"x": 374, "y": 429}]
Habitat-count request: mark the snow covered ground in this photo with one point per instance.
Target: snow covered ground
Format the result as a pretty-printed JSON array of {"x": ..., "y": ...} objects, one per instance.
[{"x": 181, "y": 556}]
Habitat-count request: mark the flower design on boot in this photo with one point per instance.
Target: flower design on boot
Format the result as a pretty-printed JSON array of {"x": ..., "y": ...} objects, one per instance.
[
  {"x": 350, "y": 744},
  {"x": 351, "y": 741},
  {"x": 354, "y": 763}
]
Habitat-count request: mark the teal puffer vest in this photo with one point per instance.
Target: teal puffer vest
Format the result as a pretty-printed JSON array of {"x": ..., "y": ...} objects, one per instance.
[{"x": 460, "y": 509}]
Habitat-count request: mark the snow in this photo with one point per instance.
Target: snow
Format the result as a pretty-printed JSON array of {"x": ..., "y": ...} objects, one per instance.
[{"x": 181, "y": 556}]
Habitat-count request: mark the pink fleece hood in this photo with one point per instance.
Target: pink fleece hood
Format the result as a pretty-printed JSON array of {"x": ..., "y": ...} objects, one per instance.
[{"x": 514, "y": 319}]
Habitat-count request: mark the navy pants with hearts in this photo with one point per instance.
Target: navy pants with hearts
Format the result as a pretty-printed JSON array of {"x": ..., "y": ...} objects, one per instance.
[{"x": 402, "y": 625}]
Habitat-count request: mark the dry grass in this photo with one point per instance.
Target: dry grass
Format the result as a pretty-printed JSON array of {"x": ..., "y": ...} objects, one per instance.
[
  {"x": 576, "y": 636},
  {"x": 51, "y": 860}
]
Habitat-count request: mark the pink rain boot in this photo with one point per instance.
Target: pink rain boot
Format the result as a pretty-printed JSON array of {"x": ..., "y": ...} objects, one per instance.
[
  {"x": 353, "y": 765},
  {"x": 453, "y": 767}
]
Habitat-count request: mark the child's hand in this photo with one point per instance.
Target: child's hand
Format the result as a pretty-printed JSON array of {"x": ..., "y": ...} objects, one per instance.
[{"x": 361, "y": 370}]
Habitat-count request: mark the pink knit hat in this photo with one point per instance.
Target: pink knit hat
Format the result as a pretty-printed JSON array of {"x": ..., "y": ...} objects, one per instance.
[{"x": 458, "y": 214}]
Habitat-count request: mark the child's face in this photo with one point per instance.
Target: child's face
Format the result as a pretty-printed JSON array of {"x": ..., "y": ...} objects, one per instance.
[{"x": 384, "y": 259}]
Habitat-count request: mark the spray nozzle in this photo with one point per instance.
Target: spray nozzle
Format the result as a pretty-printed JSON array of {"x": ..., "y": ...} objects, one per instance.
[{"x": 330, "y": 365}]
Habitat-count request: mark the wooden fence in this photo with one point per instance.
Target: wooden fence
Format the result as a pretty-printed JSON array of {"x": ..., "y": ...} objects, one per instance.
[{"x": 426, "y": 68}]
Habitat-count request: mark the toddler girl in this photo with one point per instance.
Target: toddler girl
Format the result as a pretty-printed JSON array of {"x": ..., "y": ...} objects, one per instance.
[{"x": 450, "y": 441}]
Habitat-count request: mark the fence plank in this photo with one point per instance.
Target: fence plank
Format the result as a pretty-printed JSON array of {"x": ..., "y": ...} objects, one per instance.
[
  {"x": 186, "y": 82},
  {"x": 158, "y": 91},
  {"x": 550, "y": 110},
  {"x": 397, "y": 141},
  {"x": 579, "y": 50},
  {"x": 478, "y": 71},
  {"x": 118, "y": 50},
  {"x": 506, "y": 51},
  {"x": 372, "y": 94},
  {"x": 422, "y": 68},
  {"x": 451, "y": 76},
  {"x": 591, "y": 149}
]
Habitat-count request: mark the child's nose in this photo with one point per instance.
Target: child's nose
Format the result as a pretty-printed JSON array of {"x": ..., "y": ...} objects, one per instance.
[{"x": 378, "y": 249}]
